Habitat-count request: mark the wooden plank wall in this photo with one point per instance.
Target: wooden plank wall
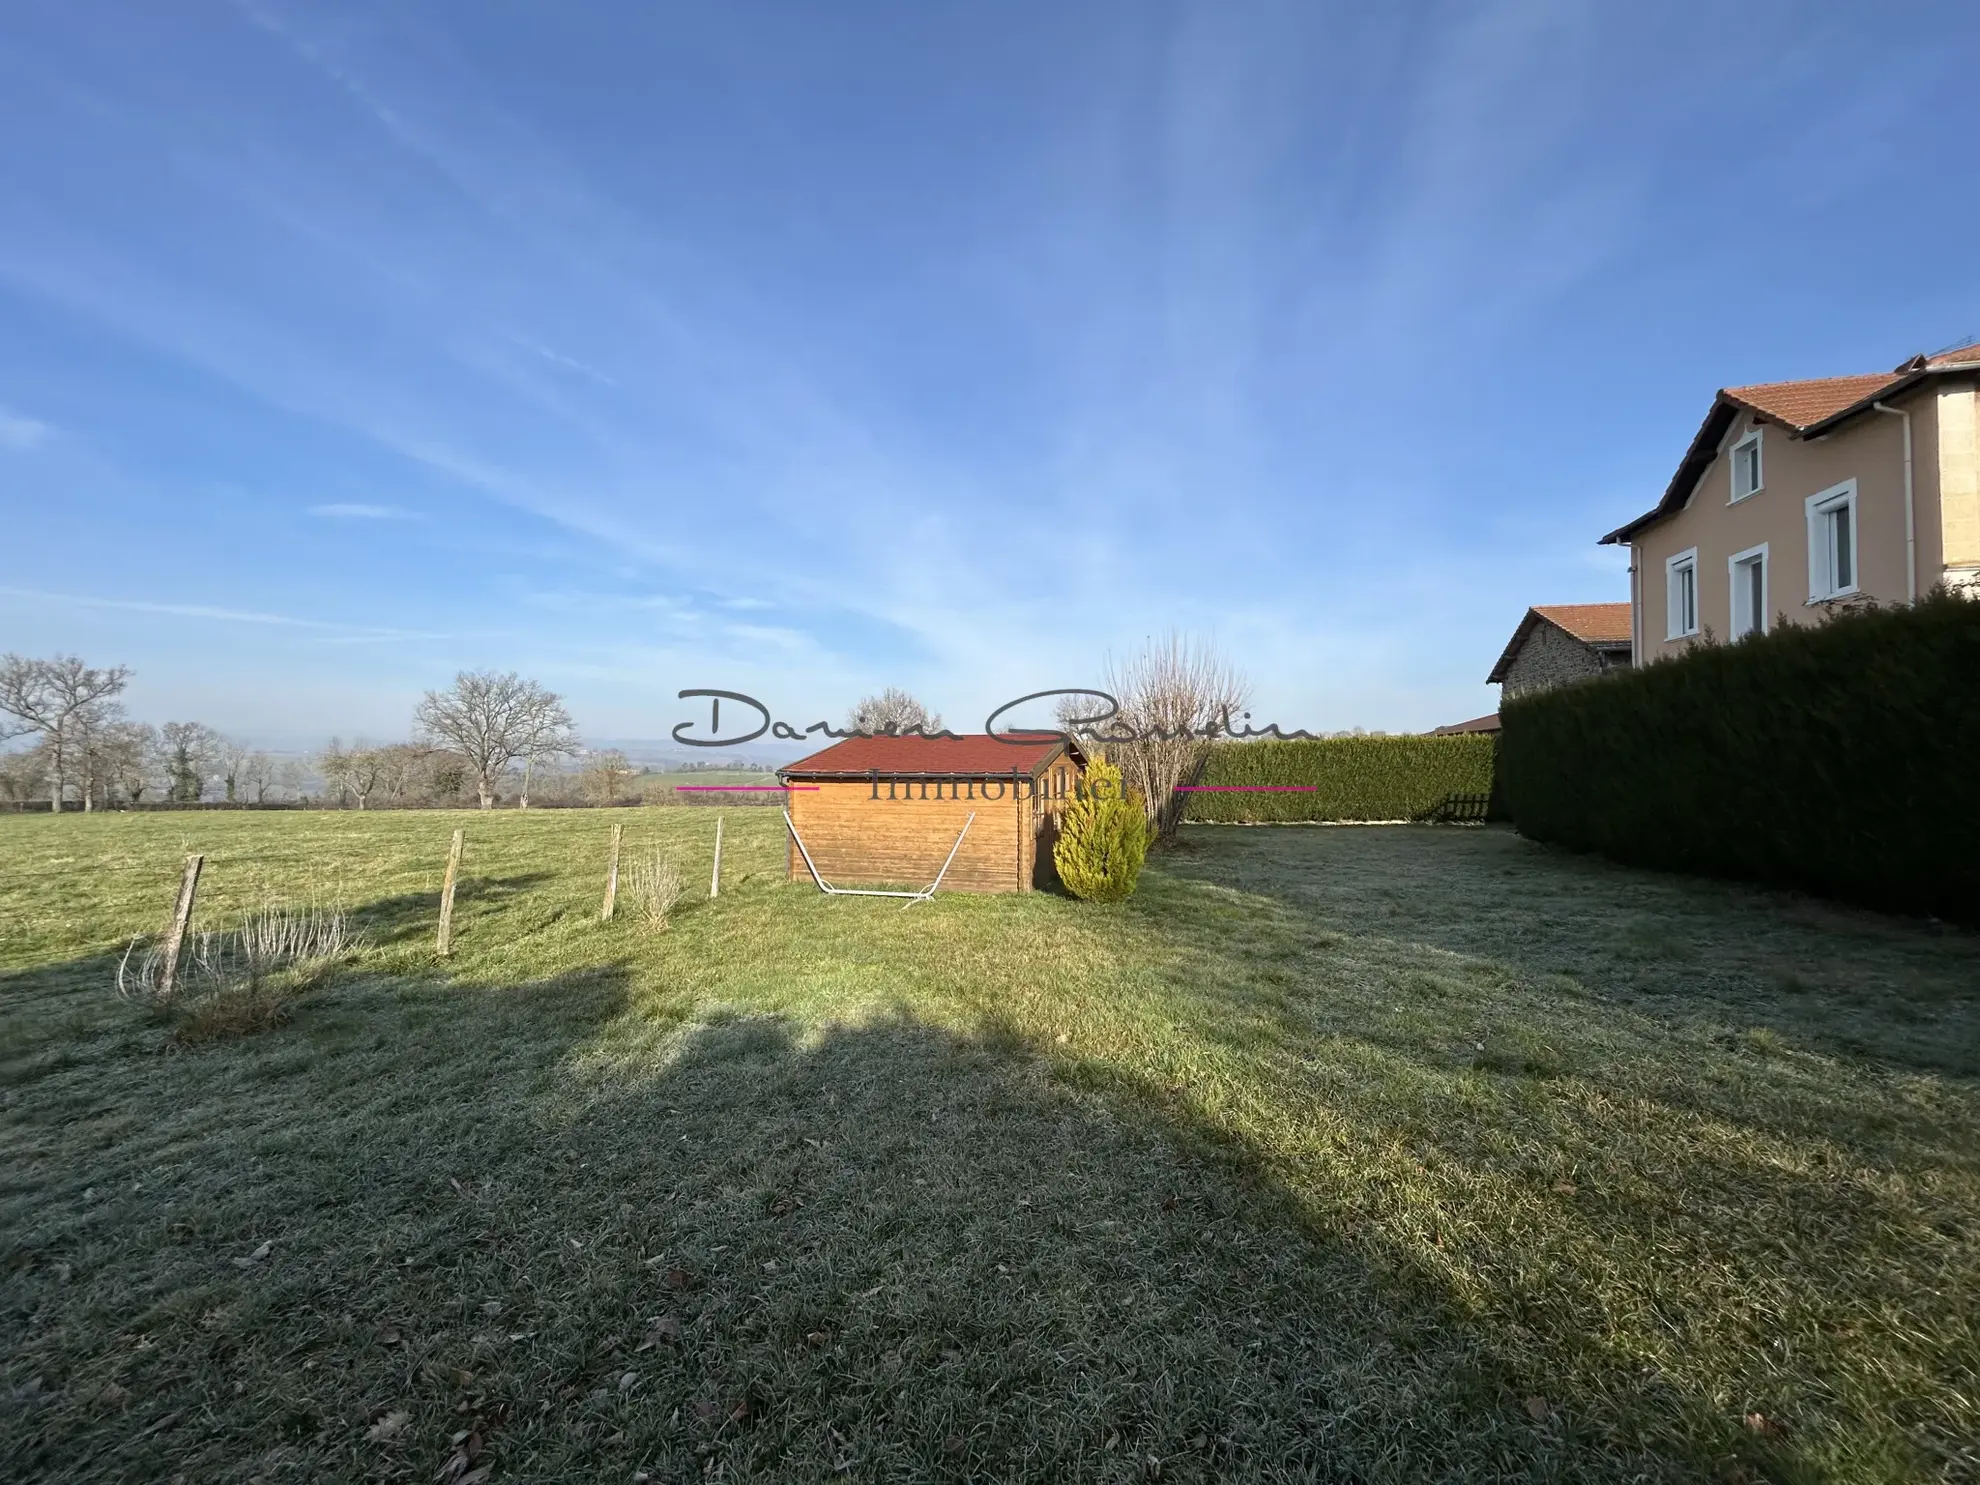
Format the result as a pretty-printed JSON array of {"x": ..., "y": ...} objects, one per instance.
[
  {"x": 857, "y": 840},
  {"x": 1056, "y": 790}
]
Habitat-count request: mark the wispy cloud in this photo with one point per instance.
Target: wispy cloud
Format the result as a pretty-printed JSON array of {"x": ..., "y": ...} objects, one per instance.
[
  {"x": 213, "y": 612},
  {"x": 568, "y": 363},
  {"x": 20, "y": 432},
  {"x": 361, "y": 512},
  {"x": 1218, "y": 330}
]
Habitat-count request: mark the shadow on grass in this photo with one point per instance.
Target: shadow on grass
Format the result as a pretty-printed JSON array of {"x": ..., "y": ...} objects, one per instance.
[
  {"x": 601, "y": 1238},
  {"x": 1645, "y": 1185},
  {"x": 605, "y": 1237},
  {"x": 391, "y": 921},
  {"x": 1836, "y": 980}
]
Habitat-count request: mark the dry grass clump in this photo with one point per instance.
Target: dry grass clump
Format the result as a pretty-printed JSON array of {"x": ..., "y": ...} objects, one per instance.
[
  {"x": 654, "y": 885},
  {"x": 234, "y": 982}
]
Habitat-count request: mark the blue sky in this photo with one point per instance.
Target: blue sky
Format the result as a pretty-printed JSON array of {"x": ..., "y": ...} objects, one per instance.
[{"x": 804, "y": 349}]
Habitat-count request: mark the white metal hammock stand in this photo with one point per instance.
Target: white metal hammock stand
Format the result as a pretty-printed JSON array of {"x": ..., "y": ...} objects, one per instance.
[{"x": 912, "y": 897}]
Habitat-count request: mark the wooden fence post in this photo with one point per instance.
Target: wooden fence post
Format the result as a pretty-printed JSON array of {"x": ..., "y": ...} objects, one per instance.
[
  {"x": 447, "y": 894},
  {"x": 181, "y": 916},
  {"x": 715, "y": 881},
  {"x": 612, "y": 876}
]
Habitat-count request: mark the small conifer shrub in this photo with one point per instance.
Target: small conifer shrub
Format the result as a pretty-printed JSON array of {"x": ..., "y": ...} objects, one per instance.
[{"x": 1103, "y": 837}]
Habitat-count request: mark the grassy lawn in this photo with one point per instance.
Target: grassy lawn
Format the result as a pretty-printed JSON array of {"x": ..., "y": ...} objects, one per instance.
[
  {"x": 662, "y": 784},
  {"x": 1356, "y": 1154}
]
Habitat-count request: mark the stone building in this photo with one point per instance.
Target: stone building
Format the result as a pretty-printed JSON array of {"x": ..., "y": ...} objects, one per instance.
[{"x": 1562, "y": 643}]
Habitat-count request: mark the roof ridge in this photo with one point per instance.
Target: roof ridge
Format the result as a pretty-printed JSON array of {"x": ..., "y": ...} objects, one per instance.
[
  {"x": 1802, "y": 406},
  {"x": 967, "y": 754},
  {"x": 1816, "y": 381}
]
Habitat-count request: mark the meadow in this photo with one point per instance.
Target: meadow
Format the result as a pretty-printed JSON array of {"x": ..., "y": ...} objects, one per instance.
[
  {"x": 664, "y": 786},
  {"x": 1334, "y": 1154}
]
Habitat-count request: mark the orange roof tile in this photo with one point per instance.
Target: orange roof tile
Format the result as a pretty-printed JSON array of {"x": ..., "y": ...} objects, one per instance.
[
  {"x": 1592, "y": 623},
  {"x": 1804, "y": 404}
]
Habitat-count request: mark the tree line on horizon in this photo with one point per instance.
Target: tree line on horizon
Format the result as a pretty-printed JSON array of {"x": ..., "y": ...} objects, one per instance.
[
  {"x": 84, "y": 752},
  {"x": 488, "y": 730},
  {"x": 486, "y": 737}
]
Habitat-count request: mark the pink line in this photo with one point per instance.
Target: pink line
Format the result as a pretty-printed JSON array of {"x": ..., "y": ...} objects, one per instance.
[
  {"x": 731, "y": 788},
  {"x": 1249, "y": 788}
]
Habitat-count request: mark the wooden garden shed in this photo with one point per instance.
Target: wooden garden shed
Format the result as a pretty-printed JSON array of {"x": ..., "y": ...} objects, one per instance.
[{"x": 873, "y": 810}]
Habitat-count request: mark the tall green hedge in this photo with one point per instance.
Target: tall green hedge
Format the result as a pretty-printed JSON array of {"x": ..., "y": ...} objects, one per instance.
[
  {"x": 1842, "y": 758},
  {"x": 1356, "y": 778}
]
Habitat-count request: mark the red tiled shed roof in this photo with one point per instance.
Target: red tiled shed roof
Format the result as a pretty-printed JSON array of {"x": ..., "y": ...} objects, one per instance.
[{"x": 971, "y": 755}]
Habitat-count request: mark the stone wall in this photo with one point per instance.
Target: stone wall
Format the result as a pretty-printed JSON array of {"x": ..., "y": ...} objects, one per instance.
[{"x": 1552, "y": 657}]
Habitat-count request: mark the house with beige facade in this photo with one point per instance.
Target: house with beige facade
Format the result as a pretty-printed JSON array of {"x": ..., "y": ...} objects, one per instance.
[{"x": 1798, "y": 496}]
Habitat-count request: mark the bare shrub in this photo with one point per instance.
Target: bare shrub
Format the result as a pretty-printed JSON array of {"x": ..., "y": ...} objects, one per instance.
[
  {"x": 303, "y": 941},
  {"x": 892, "y": 711},
  {"x": 233, "y": 1011},
  {"x": 242, "y": 979},
  {"x": 1174, "y": 695},
  {"x": 142, "y": 970},
  {"x": 654, "y": 885},
  {"x": 607, "y": 777}
]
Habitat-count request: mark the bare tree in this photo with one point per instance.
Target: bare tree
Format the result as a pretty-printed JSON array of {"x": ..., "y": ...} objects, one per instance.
[
  {"x": 363, "y": 767},
  {"x": 1175, "y": 694},
  {"x": 291, "y": 774},
  {"x": 606, "y": 776},
  {"x": 189, "y": 750},
  {"x": 353, "y": 772},
  {"x": 892, "y": 711},
  {"x": 257, "y": 773},
  {"x": 119, "y": 758},
  {"x": 95, "y": 736},
  {"x": 493, "y": 720},
  {"x": 23, "y": 774},
  {"x": 399, "y": 768},
  {"x": 58, "y": 699},
  {"x": 232, "y": 761},
  {"x": 444, "y": 777},
  {"x": 334, "y": 765},
  {"x": 555, "y": 748},
  {"x": 137, "y": 766}
]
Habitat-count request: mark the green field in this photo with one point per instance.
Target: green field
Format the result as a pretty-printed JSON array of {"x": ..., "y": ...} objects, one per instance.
[
  {"x": 1335, "y": 1154},
  {"x": 660, "y": 787}
]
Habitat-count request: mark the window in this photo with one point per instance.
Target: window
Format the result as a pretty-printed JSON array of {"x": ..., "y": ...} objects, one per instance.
[
  {"x": 1749, "y": 591},
  {"x": 1681, "y": 588},
  {"x": 1833, "y": 545},
  {"x": 1746, "y": 466}
]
